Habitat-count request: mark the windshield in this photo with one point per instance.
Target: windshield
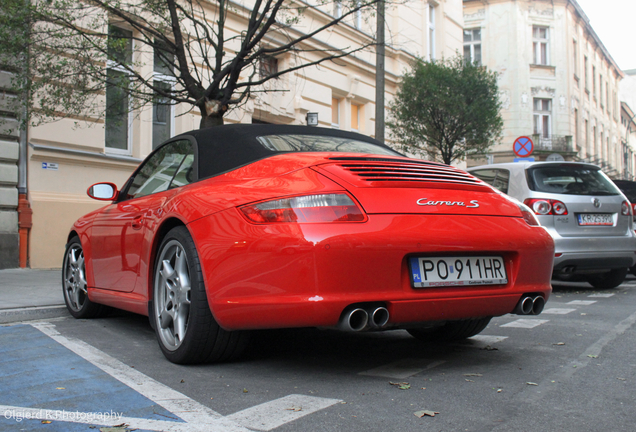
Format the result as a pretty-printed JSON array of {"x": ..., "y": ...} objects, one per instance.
[
  {"x": 570, "y": 180},
  {"x": 317, "y": 143}
]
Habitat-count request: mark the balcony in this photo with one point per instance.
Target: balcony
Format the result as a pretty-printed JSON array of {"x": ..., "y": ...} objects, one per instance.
[{"x": 553, "y": 143}]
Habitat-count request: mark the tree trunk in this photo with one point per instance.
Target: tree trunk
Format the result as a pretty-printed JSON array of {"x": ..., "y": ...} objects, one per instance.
[{"x": 208, "y": 121}]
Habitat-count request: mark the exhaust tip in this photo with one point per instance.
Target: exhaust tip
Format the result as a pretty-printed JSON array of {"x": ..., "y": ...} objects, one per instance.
[
  {"x": 524, "y": 307},
  {"x": 380, "y": 317},
  {"x": 537, "y": 305},
  {"x": 355, "y": 320}
]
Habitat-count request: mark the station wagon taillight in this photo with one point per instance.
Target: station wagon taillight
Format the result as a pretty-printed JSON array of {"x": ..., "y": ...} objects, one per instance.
[
  {"x": 626, "y": 209},
  {"x": 337, "y": 207},
  {"x": 544, "y": 207}
]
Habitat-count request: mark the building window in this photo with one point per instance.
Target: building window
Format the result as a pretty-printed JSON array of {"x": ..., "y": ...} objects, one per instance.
[
  {"x": 118, "y": 110},
  {"x": 355, "y": 117},
  {"x": 542, "y": 114},
  {"x": 585, "y": 73},
  {"x": 575, "y": 51},
  {"x": 431, "y": 32},
  {"x": 335, "y": 113},
  {"x": 267, "y": 66},
  {"x": 600, "y": 90},
  {"x": 594, "y": 149},
  {"x": 541, "y": 46},
  {"x": 594, "y": 82},
  {"x": 576, "y": 128},
  {"x": 587, "y": 137},
  {"x": 472, "y": 46},
  {"x": 162, "y": 106}
]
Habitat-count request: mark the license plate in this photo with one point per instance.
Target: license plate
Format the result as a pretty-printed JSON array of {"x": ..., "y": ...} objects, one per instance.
[
  {"x": 596, "y": 219},
  {"x": 457, "y": 271}
]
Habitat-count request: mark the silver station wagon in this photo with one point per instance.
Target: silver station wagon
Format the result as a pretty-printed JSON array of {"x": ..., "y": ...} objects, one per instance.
[{"x": 588, "y": 217}]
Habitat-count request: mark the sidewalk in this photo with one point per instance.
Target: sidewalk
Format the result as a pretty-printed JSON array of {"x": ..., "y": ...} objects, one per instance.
[{"x": 30, "y": 294}]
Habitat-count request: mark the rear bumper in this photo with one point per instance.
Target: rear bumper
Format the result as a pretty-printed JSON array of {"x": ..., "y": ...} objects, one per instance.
[
  {"x": 305, "y": 275},
  {"x": 593, "y": 253}
]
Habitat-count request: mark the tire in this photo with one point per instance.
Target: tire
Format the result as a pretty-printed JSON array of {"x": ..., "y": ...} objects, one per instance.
[
  {"x": 608, "y": 280},
  {"x": 632, "y": 270},
  {"x": 451, "y": 331},
  {"x": 74, "y": 284},
  {"x": 186, "y": 330}
]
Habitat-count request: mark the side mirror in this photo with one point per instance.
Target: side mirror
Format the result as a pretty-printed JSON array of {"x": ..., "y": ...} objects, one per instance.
[{"x": 103, "y": 191}]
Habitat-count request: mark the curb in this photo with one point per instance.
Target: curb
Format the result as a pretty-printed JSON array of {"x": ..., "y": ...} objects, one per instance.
[{"x": 8, "y": 316}]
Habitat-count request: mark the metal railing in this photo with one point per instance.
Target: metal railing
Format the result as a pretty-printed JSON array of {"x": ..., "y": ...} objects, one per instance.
[{"x": 556, "y": 143}]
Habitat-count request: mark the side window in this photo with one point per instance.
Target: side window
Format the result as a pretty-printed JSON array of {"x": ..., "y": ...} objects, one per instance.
[
  {"x": 497, "y": 178},
  {"x": 170, "y": 167}
]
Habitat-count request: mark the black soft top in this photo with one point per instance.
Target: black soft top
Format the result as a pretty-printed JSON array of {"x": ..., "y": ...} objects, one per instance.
[{"x": 224, "y": 148}]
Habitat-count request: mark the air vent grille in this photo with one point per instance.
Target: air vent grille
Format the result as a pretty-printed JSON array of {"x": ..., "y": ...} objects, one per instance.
[{"x": 392, "y": 170}]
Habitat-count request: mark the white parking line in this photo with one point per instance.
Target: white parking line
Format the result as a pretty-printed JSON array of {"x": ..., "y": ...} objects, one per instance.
[
  {"x": 525, "y": 323},
  {"x": 402, "y": 368},
  {"x": 557, "y": 311},
  {"x": 487, "y": 339},
  {"x": 582, "y": 302},
  {"x": 601, "y": 295},
  {"x": 197, "y": 417},
  {"x": 271, "y": 415}
]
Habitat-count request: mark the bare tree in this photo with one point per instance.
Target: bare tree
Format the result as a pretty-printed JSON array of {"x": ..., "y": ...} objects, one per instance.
[{"x": 74, "y": 49}]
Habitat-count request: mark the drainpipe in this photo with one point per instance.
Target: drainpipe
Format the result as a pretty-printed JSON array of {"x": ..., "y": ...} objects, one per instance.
[{"x": 25, "y": 213}]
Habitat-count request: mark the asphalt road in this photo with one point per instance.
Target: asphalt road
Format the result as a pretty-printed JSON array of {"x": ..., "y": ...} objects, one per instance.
[{"x": 571, "y": 368}]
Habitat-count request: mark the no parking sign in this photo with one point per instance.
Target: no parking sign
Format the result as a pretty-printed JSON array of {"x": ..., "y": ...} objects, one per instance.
[{"x": 523, "y": 146}]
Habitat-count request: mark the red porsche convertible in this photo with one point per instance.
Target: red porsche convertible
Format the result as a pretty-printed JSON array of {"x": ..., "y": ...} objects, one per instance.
[{"x": 224, "y": 230}]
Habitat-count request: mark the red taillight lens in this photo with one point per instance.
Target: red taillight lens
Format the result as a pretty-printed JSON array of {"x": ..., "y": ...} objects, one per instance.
[
  {"x": 546, "y": 206},
  {"x": 527, "y": 214},
  {"x": 306, "y": 209}
]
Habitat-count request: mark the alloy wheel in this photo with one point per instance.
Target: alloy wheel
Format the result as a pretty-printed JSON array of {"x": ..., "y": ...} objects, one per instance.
[
  {"x": 172, "y": 295},
  {"x": 75, "y": 278}
]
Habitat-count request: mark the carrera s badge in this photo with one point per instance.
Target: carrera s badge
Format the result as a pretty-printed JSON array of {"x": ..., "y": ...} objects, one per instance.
[{"x": 423, "y": 202}]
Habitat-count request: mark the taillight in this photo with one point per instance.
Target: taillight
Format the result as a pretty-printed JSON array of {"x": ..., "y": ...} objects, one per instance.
[
  {"x": 626, "y": 209},
  {"x": 306, "y": 209},
  {"x": 527, "y": 215},
  {"x": 546, "y": 206}
]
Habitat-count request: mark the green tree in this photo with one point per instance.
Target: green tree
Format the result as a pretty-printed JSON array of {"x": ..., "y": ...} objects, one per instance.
[
  {"x": 69, "y": 51},
  {"x": 446, "y": 109}
]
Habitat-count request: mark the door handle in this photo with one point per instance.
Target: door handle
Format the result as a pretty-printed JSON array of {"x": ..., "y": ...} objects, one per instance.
[{"x": 137, "y": 222}]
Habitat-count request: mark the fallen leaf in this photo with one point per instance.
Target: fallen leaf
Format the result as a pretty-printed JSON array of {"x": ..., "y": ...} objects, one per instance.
[
  {"x": 592, "y": 356},
  {"x": 499, "y": 390},
  {"x": 401, "y": 385},
  {"x": 182, "y": 381},
  {"x": 60, "y": 388},
  {"x": 559, "y": 343},
  {"x": 490, "y": 348},
  {"x": 473, "y": 374},
  {"x": 46, "y": 422},
  {"x": 423, "y": 413},
  {"x": 245, "y": 390},
  {"x": 583, "y": 313},
  {"x": 295, "y": 408},
  {"x": 531, "y": 383},
  {"x": 470, "y": 380},
  {"x": 622, "y": 379}
]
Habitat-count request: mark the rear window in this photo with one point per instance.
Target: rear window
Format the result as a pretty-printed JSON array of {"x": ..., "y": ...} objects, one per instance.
[
  {"x": 570, "y": 180},
  {"x": 497, "y": 178},
  {"x": 317, "y": 143}
]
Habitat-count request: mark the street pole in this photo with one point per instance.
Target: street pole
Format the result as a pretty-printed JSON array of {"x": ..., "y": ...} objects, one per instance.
[{"x": 379, "y": 73}]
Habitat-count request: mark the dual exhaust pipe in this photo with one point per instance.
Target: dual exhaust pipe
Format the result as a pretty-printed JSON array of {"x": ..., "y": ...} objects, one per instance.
[
  {"x": 359, "y": 318},
  {"x": 530, "y": 305}
]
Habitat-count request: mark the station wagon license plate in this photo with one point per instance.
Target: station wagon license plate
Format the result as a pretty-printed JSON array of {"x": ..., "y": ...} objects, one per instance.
[
  {"x": 457, "y": 271},
  {"x": 595, "y": 219}
]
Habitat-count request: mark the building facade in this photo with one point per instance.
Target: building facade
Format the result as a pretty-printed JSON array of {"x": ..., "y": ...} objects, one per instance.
[
  {"x": 558, "y": 83},
  {"x": 65, "y": 157}
]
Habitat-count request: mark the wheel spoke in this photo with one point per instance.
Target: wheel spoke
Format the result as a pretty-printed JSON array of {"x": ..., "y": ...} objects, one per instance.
[{"x": 166, "y": 319}]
